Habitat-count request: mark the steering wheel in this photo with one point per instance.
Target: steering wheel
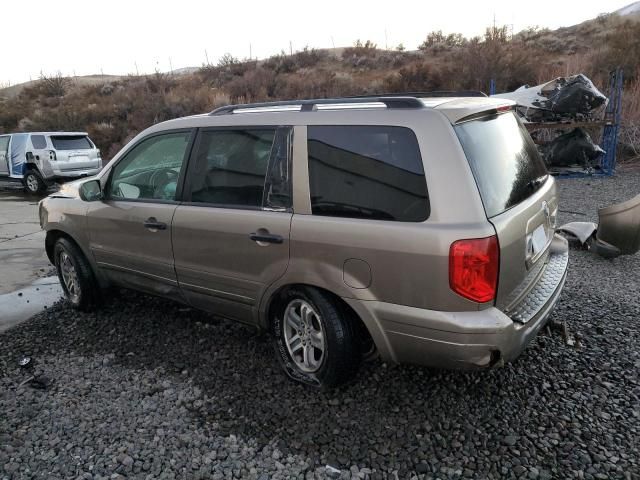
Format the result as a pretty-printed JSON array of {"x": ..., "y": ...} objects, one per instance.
[{"x": 160, "y": 179}]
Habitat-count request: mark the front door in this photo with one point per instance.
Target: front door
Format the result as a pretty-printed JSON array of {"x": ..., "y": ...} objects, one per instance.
[
  {"x": 130, "y": 230},
  {"x": 231, "y": 233}
]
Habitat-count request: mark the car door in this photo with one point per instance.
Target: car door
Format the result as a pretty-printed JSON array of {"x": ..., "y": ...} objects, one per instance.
[
  {"x": 130, "y": 229},
  {"x": 231, "y": 233}
]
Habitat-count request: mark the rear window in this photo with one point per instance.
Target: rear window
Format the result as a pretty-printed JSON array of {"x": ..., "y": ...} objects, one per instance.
[
  {"x": 69, "y": 142},
  {"x": 372, "y": 172},
  {"x": 505, "y": 162}
]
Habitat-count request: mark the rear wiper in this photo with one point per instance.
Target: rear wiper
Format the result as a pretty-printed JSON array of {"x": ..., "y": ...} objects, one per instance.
[{"x": 536, "y": 182}]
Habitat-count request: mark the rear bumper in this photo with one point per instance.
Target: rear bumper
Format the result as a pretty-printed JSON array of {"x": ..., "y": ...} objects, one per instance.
[
  {"x": 75, "y": 173},
  {"x": 476, "y": 339}
]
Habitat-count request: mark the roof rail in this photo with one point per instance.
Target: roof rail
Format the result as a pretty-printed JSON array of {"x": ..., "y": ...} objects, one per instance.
[
  {"x": 433, "y": 94},
  {"x": 391, "y": 101}
]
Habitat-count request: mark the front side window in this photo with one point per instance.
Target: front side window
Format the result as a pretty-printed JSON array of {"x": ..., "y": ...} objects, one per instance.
[
  {"x": 151, "y": 169},
  {"x": 71, "y": 142},
  {"x": 372, "y": 172},
  {"x": 230, "y": 167},
  {"x": 38, "y": 142}
]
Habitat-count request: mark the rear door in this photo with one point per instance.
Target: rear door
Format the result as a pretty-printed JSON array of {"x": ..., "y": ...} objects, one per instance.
[
  {"x": 231, "y": 233},
  {"x": 4, "y": 154},
  {"x": 518, "y": 194},
  {"x": 130, "y": 230},
  {"x": 74, "y": 152}
]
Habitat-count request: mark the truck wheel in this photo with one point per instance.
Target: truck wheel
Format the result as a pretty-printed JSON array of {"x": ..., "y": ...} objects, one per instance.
[
  {"x": 314, "y": 338},
  {"x": 75, "y": 275},
  {"x": 34, "y": 183}
]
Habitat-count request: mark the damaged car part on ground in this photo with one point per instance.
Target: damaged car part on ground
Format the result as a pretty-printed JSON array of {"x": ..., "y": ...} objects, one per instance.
[
  {"x": 312, "y": 219},
  {"x": 617, "y": 232}
]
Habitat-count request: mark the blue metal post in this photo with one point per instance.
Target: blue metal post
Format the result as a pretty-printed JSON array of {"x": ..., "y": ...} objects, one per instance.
[
  {"x": 492, "y": 86},
  {"x": 612, "y": 116}
]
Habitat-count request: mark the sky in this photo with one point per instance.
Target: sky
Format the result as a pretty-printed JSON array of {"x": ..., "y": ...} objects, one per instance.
[{"x": 83, "y": 37}]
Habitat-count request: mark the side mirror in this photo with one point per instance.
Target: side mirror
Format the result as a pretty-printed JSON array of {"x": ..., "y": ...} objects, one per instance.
[{"x": 91, "y": 191}]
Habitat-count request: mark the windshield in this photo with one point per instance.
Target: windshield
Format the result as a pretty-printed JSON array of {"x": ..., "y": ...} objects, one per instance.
[
  {"x": 69, "y": 142},
  {"x": 505, "y": 162}
]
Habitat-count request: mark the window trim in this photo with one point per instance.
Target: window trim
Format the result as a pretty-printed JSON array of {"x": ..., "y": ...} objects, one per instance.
[
  {"x": 424, "y": 173},
  {"x": 181, "y": 178},
  {"x": 186, "y": 197}
]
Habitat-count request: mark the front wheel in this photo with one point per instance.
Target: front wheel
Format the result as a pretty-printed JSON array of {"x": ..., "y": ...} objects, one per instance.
[
  {"x": 314, "y": 338},
  {"x": 34, "y": 183},
  {"x": 75, "y": 275}
]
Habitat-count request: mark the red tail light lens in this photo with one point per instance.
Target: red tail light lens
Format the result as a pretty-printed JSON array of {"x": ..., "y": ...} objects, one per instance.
[{"x": 473, "y": 268}]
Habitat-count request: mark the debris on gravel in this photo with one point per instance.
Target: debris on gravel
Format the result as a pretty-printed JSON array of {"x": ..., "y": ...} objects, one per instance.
[{"x": 146, "y": 388}]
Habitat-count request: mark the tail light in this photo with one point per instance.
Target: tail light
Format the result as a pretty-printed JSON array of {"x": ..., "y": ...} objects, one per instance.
[{"x": 473, "y": 268}]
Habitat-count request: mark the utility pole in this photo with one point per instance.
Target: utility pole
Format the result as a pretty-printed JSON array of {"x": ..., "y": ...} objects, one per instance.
[
  {"x": 250, "y": 52},
  {"x": 170, "y": 66},
  {"x": 137, "y": 72},
  {"x": 332, "y": 42},
  {"x": 206, "y": 55},
  {"x": 386, "y": 45},
  {"x": 290, "y": 48}
]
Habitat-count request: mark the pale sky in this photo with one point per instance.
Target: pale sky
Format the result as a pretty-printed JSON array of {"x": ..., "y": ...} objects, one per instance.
[{"x": 85, "y": 37}]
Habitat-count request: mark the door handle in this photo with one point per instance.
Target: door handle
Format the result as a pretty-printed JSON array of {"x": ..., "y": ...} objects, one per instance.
[
  {"x": 152, "y": 224},
  {"x": 265, "y": 238}
]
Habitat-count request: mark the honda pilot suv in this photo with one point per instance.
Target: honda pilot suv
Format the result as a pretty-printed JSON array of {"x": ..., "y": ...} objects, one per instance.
[{"x": 418, "y": 229}]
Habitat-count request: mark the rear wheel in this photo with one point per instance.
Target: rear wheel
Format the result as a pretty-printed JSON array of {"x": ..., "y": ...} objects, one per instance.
[
  {"x": 34, "y": 183},
  {"x": 75, "y": 275},
  {"x": 314, "y": 338}
]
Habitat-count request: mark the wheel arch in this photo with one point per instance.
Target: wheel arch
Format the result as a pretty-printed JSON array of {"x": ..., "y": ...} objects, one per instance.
[{"x": 276, "y": 300}]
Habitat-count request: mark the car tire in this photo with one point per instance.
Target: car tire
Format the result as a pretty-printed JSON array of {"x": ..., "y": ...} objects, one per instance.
[
  {"x": 33, "y": 182},
  {"x": 314, "y": 338},
  {"x": 75, "y": 275}
]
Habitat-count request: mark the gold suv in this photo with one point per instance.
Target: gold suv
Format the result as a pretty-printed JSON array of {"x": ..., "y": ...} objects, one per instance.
[{"x": 418, "y": 228}]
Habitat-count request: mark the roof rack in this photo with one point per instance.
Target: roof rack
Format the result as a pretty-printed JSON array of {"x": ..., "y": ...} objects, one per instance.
[
  {"x": 391, "y": 101},
  {"x": 433, "y": 94}
]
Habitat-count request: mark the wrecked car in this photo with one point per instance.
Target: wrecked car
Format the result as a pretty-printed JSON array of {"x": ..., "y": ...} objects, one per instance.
[
  {"x": 40, "y": 158},
  {"x": 418, "y": 229}
]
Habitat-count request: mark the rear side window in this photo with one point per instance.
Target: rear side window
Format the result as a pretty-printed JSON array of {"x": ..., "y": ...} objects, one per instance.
[
  {"x": 372, "y": 172},
  {"x": 38, "y": 142},
  {"x": 4, "y": 144},
  {"x": 505, "y": 162},
  {"x": 231, "y": 166},
  {"x": 69, "y": 142}
]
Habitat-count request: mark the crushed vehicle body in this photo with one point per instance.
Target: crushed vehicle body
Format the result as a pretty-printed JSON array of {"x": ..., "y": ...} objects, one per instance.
[
  {"x": 574, "y": 96},
  {"x": 573, "y": 148}
]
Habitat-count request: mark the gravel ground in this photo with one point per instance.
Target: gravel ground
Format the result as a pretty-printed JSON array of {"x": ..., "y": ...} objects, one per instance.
[{"x": 146, "y": 388}]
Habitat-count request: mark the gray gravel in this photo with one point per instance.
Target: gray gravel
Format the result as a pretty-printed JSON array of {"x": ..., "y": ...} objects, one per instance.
[{"x": 150, "y": 389}]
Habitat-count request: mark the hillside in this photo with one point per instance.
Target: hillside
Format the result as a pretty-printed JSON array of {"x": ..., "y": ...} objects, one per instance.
[{"x": 113, "y": 109}]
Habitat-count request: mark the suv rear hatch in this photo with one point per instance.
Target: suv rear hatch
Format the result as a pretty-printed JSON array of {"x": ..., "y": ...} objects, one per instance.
[
  {"x": 520, "y": 200},
  {"x": 75, "y": 152}
]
